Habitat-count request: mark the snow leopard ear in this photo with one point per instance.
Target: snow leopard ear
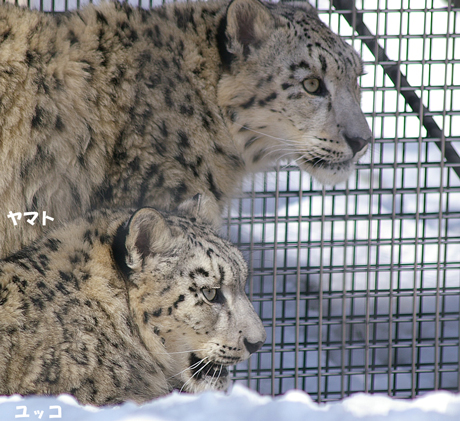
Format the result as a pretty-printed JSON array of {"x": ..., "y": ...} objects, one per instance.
[
  {"x": 249, "y": 24},
  {"x": 301, "y": 5},
  {"x": 190, "y": 207},
  {"x": 148, "y": 233},
  {"x": 199, "y": 206}
]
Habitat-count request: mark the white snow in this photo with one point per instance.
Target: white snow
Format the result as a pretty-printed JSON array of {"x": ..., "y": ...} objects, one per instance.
[{"x": 240, "y": 404}]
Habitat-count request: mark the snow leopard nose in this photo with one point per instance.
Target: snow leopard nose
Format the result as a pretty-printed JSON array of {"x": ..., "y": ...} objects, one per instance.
[
  {"x": 356, "y": 143},
  {"x": 252, "y": 347}
]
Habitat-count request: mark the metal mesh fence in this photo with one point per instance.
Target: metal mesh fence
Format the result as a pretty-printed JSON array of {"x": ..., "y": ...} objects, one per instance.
[{"x": 358, "y": 285}]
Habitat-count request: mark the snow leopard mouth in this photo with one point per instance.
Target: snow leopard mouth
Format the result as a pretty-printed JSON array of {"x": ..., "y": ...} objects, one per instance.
[
  {"x": 326, "y": 172},
  {"x": 202, "y": 367}
]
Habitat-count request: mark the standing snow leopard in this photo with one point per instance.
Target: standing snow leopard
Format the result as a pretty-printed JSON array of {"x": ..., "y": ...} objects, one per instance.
[
  {"x": 112, "y": 106},
  {"x": 124, "y": 305}
]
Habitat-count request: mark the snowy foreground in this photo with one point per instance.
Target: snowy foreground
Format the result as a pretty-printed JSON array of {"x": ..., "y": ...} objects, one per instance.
[{"x": 240, "y": 405}]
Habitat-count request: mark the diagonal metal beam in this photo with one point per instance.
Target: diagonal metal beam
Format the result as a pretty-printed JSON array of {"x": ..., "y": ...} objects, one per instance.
[{"x": 393, "y": 71}]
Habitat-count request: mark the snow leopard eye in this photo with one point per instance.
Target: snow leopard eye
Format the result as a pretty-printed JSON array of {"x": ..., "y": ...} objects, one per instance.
[
  {"x": 210, "y": 294},
  {"x": 311, "y": 85}
]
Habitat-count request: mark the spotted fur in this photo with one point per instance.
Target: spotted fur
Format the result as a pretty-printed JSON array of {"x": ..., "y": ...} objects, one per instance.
[
  {"x": 112, "y": 106},
  {"x": 119, "y": 306}
]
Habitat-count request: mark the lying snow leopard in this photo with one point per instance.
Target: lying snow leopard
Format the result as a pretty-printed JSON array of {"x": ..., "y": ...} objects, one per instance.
[
  {"x": 124, "y": 306},
  {"x": 113, "y": 106}
]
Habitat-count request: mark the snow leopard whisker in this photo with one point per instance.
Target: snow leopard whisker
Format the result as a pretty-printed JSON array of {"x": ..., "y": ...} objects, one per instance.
[
  {"x": 211, "y": 386},
  {"x": 199, "y": 371},
  {"x": 289, "y": 163},
  {"x": 212, "y": 380},
  {"x": 296, "y": 162},
  {"x": 194, "y": 365},
  {"x": 319, "y": 162},
  {"x": 278, "y": 147},
  {"x": 272, "y": 149},
  {"x": 181, "y": 352},
  {"x": 285, "y": 155},
  {"x": 275, "y": 151},
  {"x": 301, "y": 158},
  {"x": 218, "y": 376},
  {"x": 265, "y": 134}
]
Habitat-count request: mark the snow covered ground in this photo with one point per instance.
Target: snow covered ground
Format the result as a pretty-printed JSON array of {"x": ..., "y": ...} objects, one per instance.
[{"x": 240, "y": 404}]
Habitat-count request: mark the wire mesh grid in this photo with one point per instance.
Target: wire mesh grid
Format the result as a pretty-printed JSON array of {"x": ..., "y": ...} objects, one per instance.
[{"x": 358, "y": 285}]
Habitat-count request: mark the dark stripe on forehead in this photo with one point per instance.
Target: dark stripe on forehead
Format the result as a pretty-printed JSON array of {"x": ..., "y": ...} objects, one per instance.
[
  {"x": 323, "y": 61},
  {"x": 302, "y": 65},
  {"x": 222, "y": 275},
  {"x": 203, "y": 272}
]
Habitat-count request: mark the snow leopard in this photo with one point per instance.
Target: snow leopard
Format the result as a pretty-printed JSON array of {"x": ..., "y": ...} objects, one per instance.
[
  {"x": 125, "y": 305},
  {"x": 116, "y": 106}
]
